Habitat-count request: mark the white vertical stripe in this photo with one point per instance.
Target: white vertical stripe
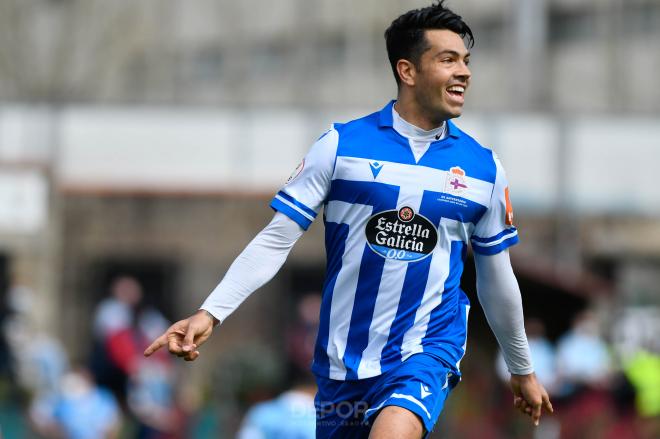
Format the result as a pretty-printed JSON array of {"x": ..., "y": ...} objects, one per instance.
[
  {"x": 450, "y": 230},
  {"x": 343, "y": 297},
  {"x": 467, "y": 313},
  {"x": 387, "y": 300}
]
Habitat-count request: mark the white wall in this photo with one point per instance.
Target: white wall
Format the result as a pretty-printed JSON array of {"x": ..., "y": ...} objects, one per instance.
[{"x": 590, "y": 164}]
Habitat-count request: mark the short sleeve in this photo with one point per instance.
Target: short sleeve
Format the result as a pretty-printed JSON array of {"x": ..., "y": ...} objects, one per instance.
[
  {"x": 303, "y": 194},
  {"x": 495, "y": 230}
]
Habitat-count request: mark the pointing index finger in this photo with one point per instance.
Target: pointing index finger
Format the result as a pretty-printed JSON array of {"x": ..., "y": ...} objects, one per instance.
[{"x": 157, "y": 344}]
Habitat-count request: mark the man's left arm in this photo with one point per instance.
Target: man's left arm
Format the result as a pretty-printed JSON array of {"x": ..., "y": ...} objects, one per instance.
[{"x": 499, "y": 295}]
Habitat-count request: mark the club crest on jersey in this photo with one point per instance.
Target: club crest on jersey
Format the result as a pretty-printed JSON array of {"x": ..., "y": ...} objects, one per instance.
[
  {"x": 401, "y": 234},
  {"x": 296, "y": 172},
  {"x": 456, "y": 183}
]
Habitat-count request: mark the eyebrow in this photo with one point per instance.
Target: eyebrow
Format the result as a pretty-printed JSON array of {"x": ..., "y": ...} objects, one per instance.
[{"x": 451, "y": 52}]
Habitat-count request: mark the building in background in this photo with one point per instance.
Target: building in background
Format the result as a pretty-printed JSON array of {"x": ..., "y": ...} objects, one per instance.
[
  {"x": 146, "y": 138},
  {"x": 564, "y": 56}
]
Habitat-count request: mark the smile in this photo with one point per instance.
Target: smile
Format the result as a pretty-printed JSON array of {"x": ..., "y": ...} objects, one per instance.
[
  {"x": 456, "y": 90},
  {"x": 456, "y": 93}
]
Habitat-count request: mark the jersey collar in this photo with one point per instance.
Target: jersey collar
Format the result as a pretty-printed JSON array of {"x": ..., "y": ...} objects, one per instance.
[{"x": 385, "y": 121}]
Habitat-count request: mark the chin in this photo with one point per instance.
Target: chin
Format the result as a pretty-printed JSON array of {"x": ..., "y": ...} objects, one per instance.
[
  {"x": 452, "y": 114},
  {"x": 449, "y": 112},
  {"x": 455, "y": 112}
]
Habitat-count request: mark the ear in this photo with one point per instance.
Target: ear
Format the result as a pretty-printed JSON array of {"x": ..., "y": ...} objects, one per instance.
[{"x": 407, "y": 72}]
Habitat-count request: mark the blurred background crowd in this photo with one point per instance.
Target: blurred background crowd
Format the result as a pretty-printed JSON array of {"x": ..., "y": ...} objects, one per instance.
[{"x": 140, "y": 143}]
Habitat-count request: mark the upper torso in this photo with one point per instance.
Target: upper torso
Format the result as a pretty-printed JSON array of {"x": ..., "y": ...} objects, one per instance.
[{"x": 397, "y": 226}]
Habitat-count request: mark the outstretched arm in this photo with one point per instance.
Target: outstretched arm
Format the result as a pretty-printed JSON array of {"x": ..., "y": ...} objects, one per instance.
[
  {"x": 296, "y": 206},
  {"x": 257, "y": 264},
  {"x": 499, "y": 296}
]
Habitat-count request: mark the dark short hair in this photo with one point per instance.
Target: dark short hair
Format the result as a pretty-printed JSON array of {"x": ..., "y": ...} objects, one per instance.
[{"x": 405, "y": 36}]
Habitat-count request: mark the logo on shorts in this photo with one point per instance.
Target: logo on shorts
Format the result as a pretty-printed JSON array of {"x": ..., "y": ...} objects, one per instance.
[
  {"x": 401, "y": 234},
  {"x": 456, "y": 183},
  {"x": 424, "y": 390}
]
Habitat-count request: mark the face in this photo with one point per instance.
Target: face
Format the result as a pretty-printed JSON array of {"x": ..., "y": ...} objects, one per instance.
[{"x": 440, "y": 80}]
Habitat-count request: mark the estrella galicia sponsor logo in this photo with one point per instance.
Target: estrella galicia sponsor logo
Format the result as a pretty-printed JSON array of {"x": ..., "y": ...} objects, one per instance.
[{"x": 401, "y": 234}]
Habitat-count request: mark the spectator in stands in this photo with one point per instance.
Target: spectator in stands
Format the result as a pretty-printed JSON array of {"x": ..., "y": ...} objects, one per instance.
[
  {"x": 116, "y": 311},
  {"x": 113, "y": 314},
  {"x": 77, "y": 410},
  {"x": 583, "y": 359},
  {"x": 39, "y": 358},
  {"x": 150, "y": 390},
  {"x": 292, "y": 413},
  {"x": 6, "y": 357}
]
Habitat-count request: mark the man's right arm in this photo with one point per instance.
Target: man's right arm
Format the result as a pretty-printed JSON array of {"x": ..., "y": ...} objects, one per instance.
[
  {"x": 257, "y": 264},
  {"x": 296, "y": 206}
]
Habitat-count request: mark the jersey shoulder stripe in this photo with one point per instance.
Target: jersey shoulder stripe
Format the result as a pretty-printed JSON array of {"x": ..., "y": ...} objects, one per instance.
[
  {"x": 498, "y": 246},
  {"x": 304, "y": 209},
  {"x": 279, "y": 204},
  {"x": 486, "y": 242}
]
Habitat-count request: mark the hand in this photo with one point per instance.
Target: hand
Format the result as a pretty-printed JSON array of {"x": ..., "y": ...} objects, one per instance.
[
  {"x": 185, "y": 336},
  {"x": 529, "y": 396}
]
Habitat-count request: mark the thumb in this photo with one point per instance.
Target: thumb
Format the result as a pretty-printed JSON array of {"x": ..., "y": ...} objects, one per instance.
[{"x": 189, "y": 338}]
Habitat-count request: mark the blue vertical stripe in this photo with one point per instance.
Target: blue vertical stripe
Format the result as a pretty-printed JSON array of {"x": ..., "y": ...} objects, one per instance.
[
  {"x": 371, "y": 271},
  {"x": 335, "y": 238},
  {"x": 412, "y": 293},
  {"x": 445, "y": 334}
]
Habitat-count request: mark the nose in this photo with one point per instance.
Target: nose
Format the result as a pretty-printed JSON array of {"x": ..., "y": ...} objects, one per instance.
[{"x": 463, "y": 71}]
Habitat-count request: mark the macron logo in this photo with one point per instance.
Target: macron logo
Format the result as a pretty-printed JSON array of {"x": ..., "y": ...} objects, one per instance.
[
  {"x": 424, "y": 390},
  {"x": 375, "y": 168}
]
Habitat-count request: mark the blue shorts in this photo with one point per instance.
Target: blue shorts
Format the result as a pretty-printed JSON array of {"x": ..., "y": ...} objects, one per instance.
[{"x": 345, "y": 409}]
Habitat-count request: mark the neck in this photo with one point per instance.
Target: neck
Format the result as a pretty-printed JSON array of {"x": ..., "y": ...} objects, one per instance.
[
  {"x": 410, "y": 110},
  {"x": 406, "y": 129}
]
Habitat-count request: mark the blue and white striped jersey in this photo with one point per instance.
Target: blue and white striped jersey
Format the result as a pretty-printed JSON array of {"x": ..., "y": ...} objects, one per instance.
[{"x": 396, "y": 236}]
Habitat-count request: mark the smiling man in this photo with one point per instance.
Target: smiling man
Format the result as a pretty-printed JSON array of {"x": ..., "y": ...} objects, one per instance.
[{"x": 404, "y": 192}]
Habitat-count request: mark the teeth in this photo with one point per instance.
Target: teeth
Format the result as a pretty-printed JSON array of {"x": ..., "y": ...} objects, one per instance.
[{"x": 457, "y": 88}]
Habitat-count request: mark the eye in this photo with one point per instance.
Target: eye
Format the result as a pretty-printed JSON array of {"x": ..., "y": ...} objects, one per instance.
[
  {"x": 467, "y": 61},
  {"x": 447, "y": 60}
]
